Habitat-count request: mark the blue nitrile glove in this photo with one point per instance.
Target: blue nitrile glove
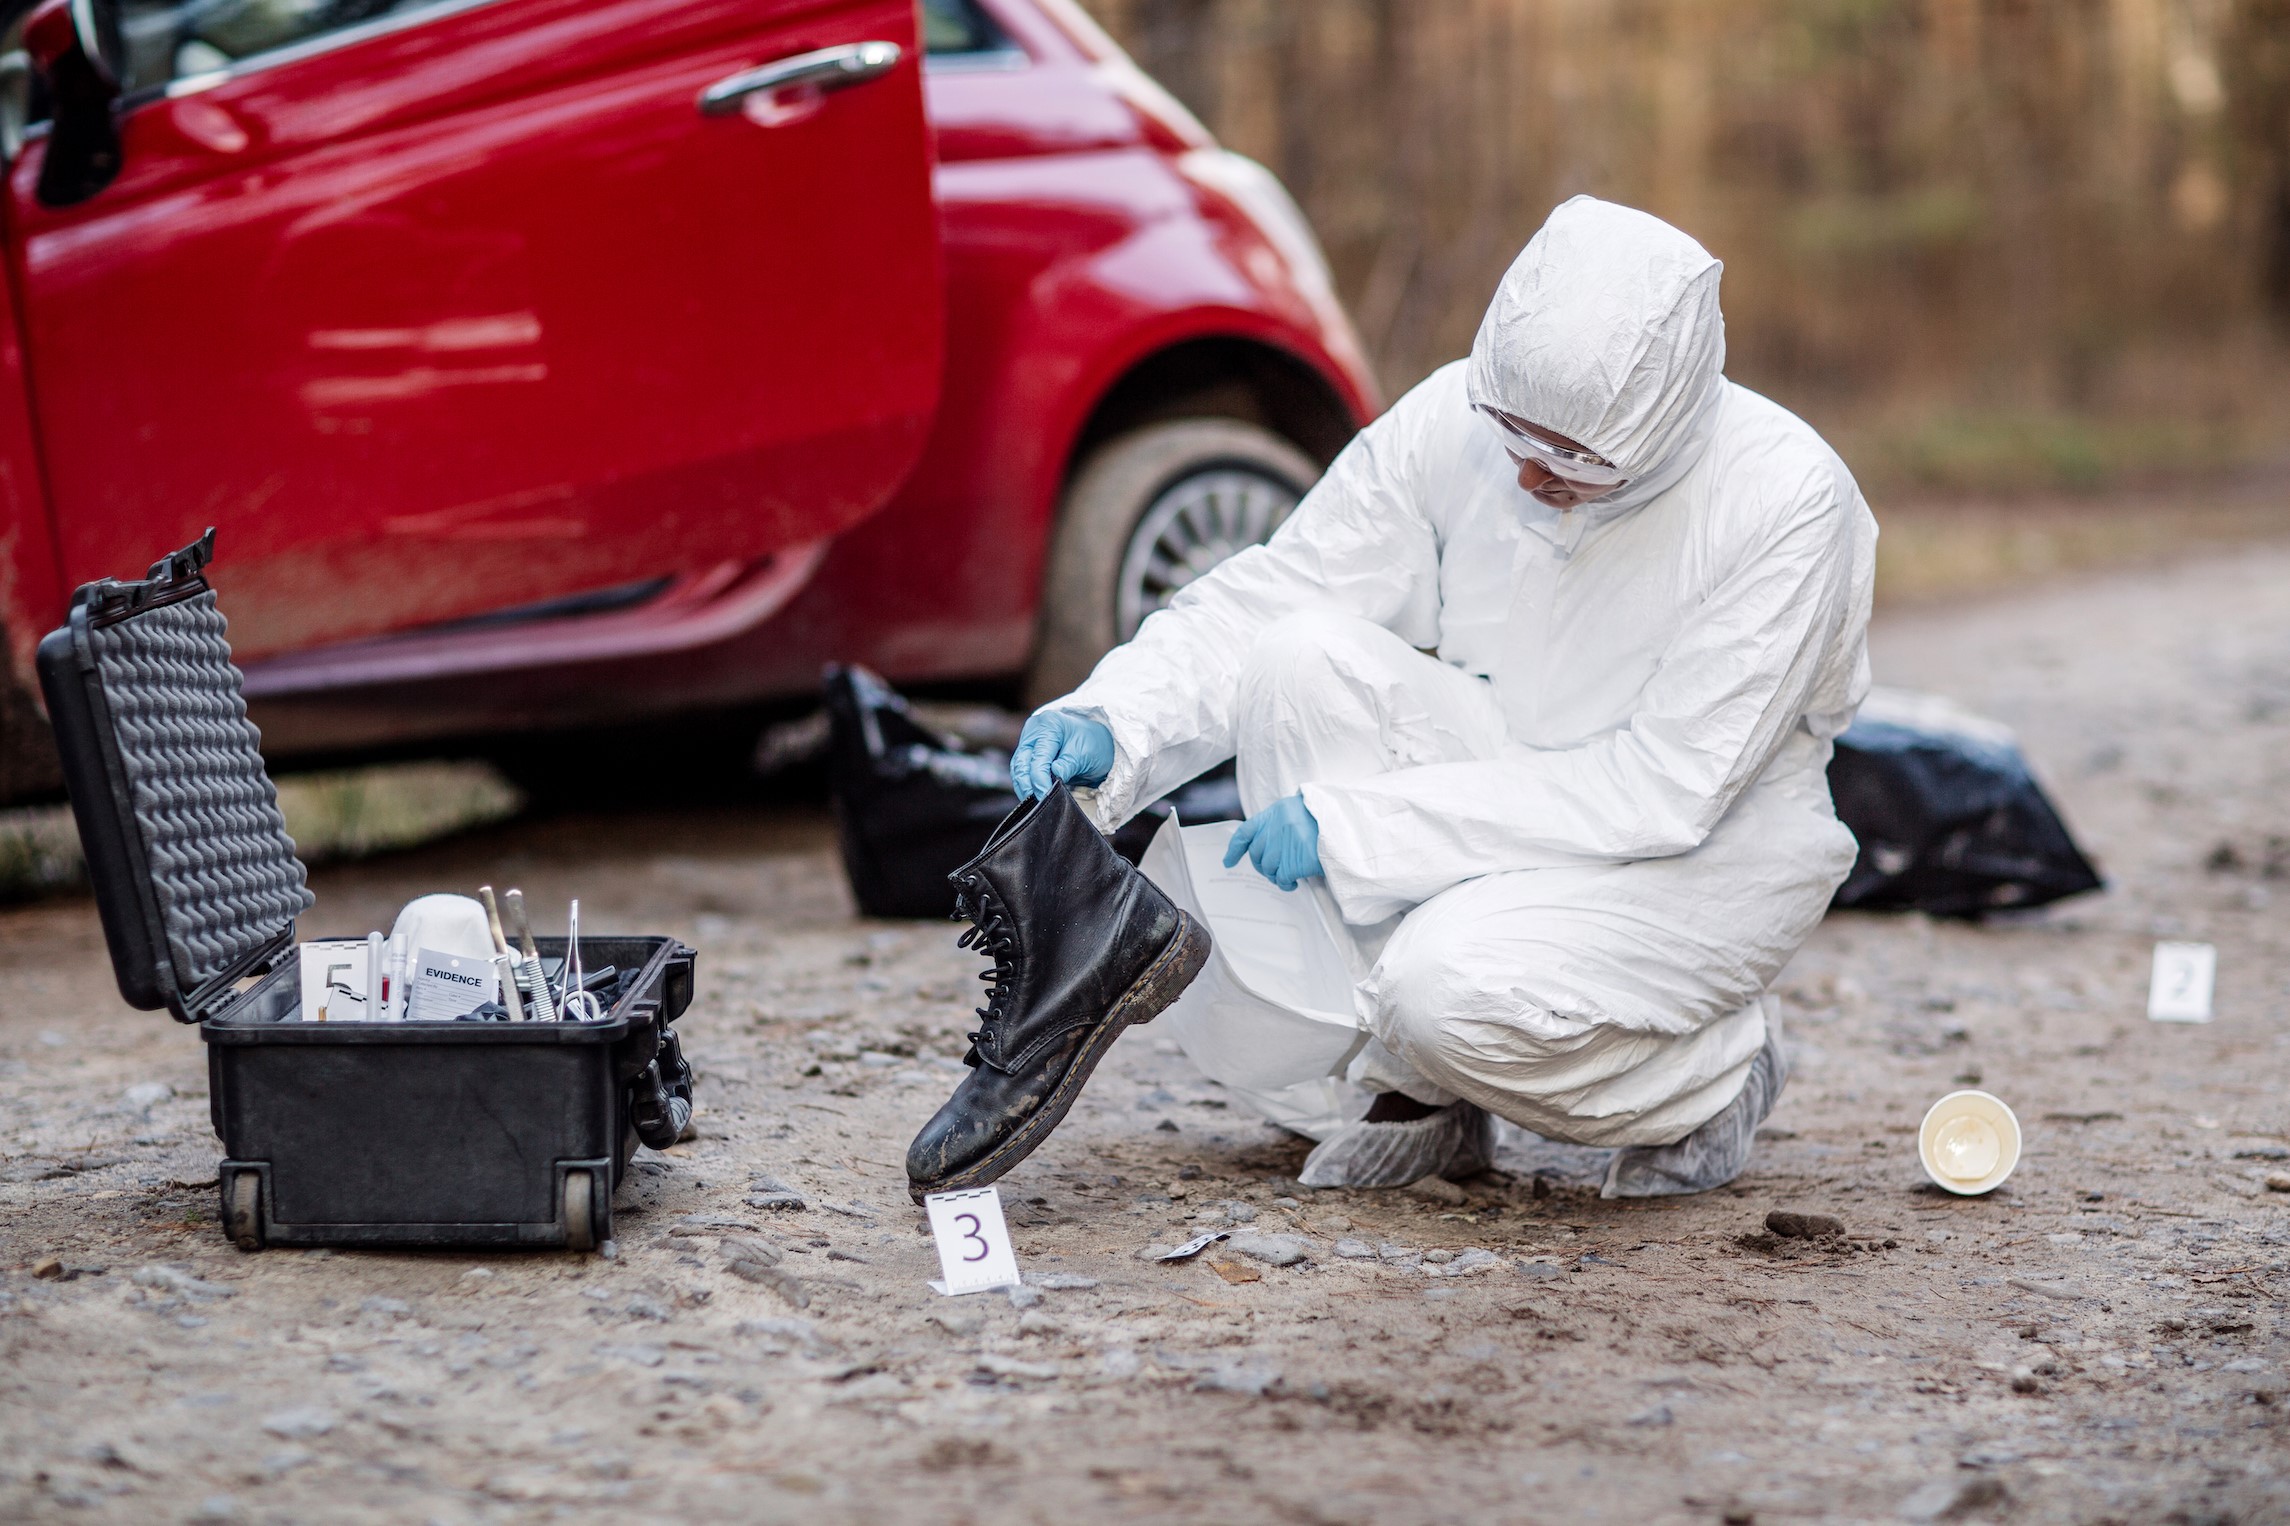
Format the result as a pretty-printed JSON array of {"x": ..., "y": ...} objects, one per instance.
[
  {"x": 1282, "y": 840},
  {"x": 1058, "y": 748}
]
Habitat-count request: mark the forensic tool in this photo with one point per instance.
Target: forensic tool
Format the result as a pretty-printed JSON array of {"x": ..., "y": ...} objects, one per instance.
[
  {"x": 581, "y": 1006},
  {"x": 532, "y": 980},
  {"x": 400, "y": 968},
  {"x": 500, "y": 950}
]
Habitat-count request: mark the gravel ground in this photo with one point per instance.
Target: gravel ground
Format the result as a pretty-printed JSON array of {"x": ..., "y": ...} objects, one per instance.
[{"x": 2102, "y": 1340}]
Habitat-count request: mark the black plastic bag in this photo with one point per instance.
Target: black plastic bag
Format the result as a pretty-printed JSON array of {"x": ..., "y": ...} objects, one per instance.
[
  {"x": 912, "y": 804},
  {"x": 1950, "y": 821}
]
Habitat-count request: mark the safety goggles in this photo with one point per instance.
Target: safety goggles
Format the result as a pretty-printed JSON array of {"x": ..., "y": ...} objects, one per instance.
[{"x": 1577, "y": 466}]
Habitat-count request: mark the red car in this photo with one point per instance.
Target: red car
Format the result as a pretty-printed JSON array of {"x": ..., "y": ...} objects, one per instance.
[{"x": 550, "y": 365}]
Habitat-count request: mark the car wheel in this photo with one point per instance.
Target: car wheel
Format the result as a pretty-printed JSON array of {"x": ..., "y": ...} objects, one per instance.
[{"x": 1147, "y": 513}]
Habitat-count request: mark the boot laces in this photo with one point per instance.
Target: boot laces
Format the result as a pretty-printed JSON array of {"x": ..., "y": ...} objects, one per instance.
[{"x": 993, "y": 933}]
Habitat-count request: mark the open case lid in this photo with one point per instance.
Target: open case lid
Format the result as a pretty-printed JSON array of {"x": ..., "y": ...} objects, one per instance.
[{"x": 193, "y": 872}]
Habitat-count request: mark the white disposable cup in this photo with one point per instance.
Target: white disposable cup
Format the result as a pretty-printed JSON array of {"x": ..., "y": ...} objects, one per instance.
[{"x": 1969, "y": 1142}]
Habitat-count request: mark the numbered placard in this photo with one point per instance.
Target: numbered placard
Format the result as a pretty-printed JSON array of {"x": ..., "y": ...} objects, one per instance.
[
  {"x": 2180, "y": 991},
  {"x": 973, "y": 1243},
  {"x": 334, "y": 980}
]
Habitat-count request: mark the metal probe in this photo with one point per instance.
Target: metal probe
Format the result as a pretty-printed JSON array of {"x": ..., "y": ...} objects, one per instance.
[{"x": 580, "y": 1005}]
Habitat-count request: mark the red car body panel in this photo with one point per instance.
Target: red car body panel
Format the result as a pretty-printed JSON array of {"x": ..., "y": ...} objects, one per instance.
[
  {"x": 32, "y": 589},
  {"x": 484, "y": 312},
  {"x": 1083, "y": 226}
]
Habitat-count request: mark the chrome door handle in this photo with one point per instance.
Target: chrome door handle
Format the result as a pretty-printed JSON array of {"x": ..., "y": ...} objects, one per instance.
[{"x": 853, "y": 63}]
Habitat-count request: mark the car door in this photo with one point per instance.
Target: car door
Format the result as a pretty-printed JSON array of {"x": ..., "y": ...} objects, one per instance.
[{"x": 460, "y": 307}]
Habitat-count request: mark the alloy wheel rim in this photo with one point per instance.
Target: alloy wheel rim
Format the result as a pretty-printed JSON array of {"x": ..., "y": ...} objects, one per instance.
[{"x": 1202, "y": 519}]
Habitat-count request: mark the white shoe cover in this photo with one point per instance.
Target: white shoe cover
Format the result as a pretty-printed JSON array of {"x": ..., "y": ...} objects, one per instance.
[
  {"x": 1711, "y": 1155},
  {"x": 1456, "y": 1141}
]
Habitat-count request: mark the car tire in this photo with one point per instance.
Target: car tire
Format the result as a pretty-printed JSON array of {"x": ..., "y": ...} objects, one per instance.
[{"x": 1147, "y": 512}]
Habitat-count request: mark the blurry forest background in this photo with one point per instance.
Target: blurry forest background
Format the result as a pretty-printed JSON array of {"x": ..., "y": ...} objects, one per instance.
[{"x": 1993, "y": 248}]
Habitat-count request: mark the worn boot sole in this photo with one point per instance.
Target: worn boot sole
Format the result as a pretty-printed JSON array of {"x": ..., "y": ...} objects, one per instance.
[{"x": 1148, "y": 997}]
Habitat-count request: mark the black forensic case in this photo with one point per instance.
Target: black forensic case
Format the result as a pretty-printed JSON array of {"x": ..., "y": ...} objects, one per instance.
[{"x": 450, "y": 1134}]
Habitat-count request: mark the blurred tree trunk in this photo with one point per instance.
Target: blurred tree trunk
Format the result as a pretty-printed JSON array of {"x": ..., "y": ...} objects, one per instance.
[
  {"x": 1165, "y": 37},
  {"x": 1991, "y": 231},
  {"x": 2258, "y": 85}
]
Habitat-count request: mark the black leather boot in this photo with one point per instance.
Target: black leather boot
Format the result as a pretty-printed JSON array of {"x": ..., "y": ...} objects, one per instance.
[{"x": 1083, "y": 946}]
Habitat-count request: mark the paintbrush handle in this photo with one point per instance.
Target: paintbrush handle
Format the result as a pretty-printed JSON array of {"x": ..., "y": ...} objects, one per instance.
[
  {"x": 493, "y": 919},
  {"x": 521, "y": 925}
]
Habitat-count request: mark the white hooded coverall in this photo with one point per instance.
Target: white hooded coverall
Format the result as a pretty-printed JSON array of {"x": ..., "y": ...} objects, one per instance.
[{"x": 1569, "y": 768}]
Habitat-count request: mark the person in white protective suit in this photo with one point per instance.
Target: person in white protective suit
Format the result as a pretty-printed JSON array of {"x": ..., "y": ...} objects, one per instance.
[{"x": 1537, "y": 687}]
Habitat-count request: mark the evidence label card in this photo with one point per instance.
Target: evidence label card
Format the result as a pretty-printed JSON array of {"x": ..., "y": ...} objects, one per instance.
[
  {"x": 446, "y": 985},
  {"x": 2180, "y": 991},
  {"x": 973, "y": 1243}
]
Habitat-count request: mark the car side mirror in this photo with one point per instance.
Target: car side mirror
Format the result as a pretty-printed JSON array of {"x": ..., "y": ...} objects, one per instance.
[{"x": 75, "y": 46}]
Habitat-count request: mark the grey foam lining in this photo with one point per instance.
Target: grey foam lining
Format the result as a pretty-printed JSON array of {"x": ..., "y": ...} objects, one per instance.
[{"x": 221, "y": 863}]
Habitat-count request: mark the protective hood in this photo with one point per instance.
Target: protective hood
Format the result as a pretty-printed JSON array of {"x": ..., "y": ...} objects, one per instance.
[{"x": 1606, "y": 329}]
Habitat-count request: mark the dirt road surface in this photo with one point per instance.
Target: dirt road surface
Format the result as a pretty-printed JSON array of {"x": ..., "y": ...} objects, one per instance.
[{"x": 2103, "y": 1340}]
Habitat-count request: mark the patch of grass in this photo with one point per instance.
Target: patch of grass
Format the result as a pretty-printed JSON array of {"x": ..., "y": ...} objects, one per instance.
[
  {"x": 1951, "y": 549},
  {"x": 39, "y": 853},
  {"x": 1929, "y": 217},
  {"x": 2032, "y": 452},
  {"x": 359, "y": 812},
  {"x": 345, "y": 814}
]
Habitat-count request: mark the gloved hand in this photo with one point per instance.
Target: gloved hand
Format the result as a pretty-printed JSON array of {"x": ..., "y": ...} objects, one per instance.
[
  {"x": 1282, "y": 840},
  {"x": 1059, "y": 748}
]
